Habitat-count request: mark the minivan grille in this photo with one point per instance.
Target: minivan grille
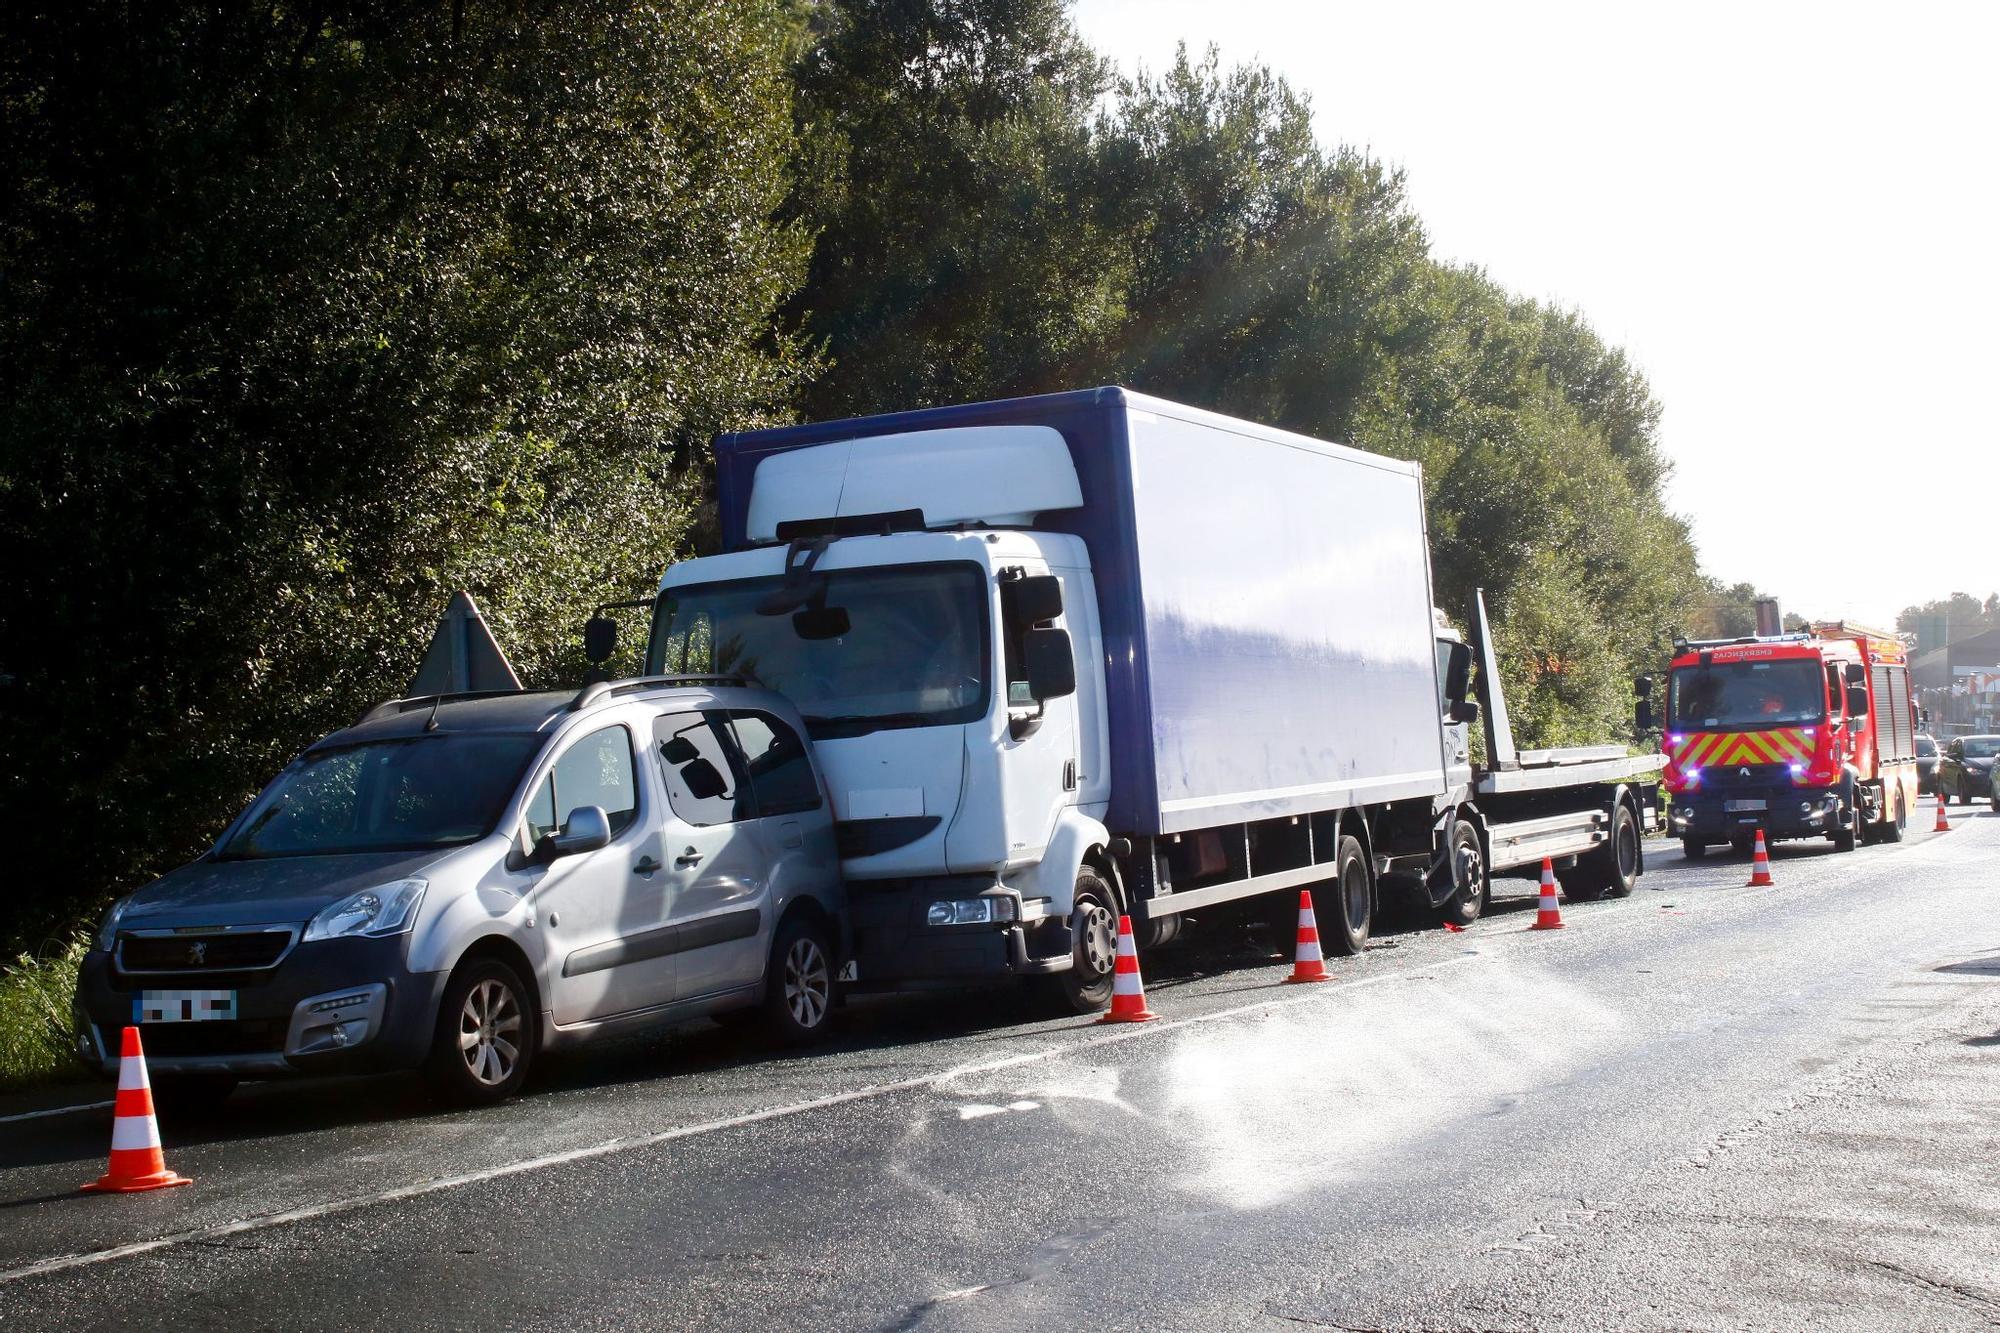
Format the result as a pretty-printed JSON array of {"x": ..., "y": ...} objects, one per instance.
[{"x": 203, "y": 951}]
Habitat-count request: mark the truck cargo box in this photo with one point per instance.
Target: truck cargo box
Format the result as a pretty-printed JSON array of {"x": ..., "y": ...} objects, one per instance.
[{"x": 1265, "y": 601}]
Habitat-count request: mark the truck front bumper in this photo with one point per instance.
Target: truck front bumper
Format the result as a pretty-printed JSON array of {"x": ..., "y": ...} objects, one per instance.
[
  {"x": 1787, "y": 812},
  {"x": 896, "y": 946}
]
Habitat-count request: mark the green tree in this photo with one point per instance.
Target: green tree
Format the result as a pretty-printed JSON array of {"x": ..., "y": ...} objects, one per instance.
[{"x": 314, "y": 314}]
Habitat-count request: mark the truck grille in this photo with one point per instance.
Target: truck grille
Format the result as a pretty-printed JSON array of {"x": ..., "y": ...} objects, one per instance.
[{"x": 204, "y": 951}]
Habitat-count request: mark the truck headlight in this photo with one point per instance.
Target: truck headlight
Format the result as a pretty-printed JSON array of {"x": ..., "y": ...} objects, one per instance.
[
  {"x": 972, "y": 912},
  {"x": 389, "y": 909}
]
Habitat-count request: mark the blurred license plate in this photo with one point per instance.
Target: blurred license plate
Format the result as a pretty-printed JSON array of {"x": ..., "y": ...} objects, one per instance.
[
  {"x": 184, "y": 1006},
  {"x": 1733, "y": 806}
]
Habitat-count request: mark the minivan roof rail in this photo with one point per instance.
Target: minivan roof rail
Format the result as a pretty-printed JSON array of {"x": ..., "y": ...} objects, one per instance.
[
  {"x": 390, "y": 707},
  {"x": 599, "y": 690}
]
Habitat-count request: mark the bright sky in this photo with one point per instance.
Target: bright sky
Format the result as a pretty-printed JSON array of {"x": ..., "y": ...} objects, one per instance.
[{"x": 1786, "y": 214}]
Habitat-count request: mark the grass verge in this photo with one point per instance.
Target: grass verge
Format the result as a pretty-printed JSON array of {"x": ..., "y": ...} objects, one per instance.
[{"x": 35, "y": 992}]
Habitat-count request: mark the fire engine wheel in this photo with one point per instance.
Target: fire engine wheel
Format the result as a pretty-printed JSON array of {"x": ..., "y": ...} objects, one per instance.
[
  {"x": 1893, "y": 830},
  {"x": 1693, "y": 848}
]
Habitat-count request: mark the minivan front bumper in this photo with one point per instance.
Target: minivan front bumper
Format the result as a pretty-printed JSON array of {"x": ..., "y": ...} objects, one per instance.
[{"x": 327, "y": 1007}]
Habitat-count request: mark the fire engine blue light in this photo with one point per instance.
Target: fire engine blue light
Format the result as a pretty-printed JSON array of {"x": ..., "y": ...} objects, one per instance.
[{"x": 1798, "y": 769}]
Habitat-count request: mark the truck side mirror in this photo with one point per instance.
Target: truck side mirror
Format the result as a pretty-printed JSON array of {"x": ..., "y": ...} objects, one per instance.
[
  {"x": 1033, "y": 600},
  {"x": 1857, "y": 700},
  {"x": 600, "y": 638},
  {"x": 1642, "y": 686},
  {"x": 1051, "y": 666},
  {"x": 1457, "y": 674},
  {"x": 1465, "y": 710},
  {"x": 1642, "y": 714},
  {"x": 703, "y": 780}
]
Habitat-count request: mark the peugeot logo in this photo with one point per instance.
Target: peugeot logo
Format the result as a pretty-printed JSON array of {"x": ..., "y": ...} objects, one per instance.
[{"x": 197, "y": 953}]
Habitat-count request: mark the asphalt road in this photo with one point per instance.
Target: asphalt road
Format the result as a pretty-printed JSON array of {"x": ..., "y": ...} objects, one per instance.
[{"x": 1704, "y": 1106}]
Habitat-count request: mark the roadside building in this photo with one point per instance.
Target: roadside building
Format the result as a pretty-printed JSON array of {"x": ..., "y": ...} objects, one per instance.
[{"x": 1960, "y": 685}]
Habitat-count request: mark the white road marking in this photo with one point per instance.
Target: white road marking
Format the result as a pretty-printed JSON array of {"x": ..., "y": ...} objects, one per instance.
[
  {"x": 53, "y": 1110},
  {"x": 1135, "y": 1032}
]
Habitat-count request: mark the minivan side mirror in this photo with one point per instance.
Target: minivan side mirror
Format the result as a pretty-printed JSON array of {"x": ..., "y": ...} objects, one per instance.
[
  {"x": 1051, "y": 665},
  {"x": 586, "y": 829}
]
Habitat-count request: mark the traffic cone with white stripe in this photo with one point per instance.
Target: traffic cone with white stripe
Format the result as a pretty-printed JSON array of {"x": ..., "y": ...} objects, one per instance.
[
  {"x": 1308, "y": 963},
  {"x": 1548, "y": 913},
  {"x": 136, "y": 1161},
  {"x": 1943, "y": 824},
  {"x": 1128, "y": 992},
  {"x": 1760, "y": 866}
]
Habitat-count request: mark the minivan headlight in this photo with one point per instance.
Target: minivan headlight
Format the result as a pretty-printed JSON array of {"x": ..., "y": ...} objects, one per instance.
[
  {"x": 388, "y": 909},
  {"x": 107, "y": 933}
]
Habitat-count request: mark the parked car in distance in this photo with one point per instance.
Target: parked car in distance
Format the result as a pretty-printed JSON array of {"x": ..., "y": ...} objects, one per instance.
[
  {"x": 1927, "y": 760},
  {"x": 1965, "y": 769},
  {"x": 456, "y": 883}
]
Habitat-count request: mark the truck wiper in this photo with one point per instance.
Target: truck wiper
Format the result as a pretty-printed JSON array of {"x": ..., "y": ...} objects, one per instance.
[{"x": 860, "y": 724}]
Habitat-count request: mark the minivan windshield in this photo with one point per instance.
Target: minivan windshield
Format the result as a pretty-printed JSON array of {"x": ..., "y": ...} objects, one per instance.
[
  {"x": 1748, "y": 694},
  {"x": 911, "y": 650},
  {"x": 404, "y": 795}
]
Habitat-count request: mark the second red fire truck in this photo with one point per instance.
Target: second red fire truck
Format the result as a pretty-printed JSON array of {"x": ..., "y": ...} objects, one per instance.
[{"x": 1803, "y": 735}]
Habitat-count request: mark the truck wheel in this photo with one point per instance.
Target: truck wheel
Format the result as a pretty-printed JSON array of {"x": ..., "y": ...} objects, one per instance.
[
  {"x": 1471, "y": 886},
  {"x": 1086, "y": 987},
  {"x": 486, "y": 1035},
  {"x": 1344, "y": 906},
  {"x": 1610, "y": 871},
  {"x": 1693, "y": 848},
  {"x": 798, "y": 982}
]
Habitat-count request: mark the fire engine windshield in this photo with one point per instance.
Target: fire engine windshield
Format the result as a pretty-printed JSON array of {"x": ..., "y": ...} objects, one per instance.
[{"x": 1725, "y": 695}]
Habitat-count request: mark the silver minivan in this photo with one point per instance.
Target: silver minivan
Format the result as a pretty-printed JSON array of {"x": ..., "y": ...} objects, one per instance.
[{"x": 455, "y": 883}]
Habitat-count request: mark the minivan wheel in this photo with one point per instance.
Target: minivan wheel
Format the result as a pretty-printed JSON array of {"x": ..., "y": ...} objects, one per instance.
[
  {"x": 486, "y": 1035},
  {"x": 798, "y": 988}
]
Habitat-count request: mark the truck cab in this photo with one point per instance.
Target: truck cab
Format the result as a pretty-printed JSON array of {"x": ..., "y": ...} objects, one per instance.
[{"x": 947, "y": 663}]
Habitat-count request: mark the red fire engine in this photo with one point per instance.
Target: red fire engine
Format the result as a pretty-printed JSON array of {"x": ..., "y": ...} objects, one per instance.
[{"x": 1802, "y": 735}]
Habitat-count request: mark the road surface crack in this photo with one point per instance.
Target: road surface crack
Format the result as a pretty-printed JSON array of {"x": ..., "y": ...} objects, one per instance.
[{"x": 1979, "y": 1298}]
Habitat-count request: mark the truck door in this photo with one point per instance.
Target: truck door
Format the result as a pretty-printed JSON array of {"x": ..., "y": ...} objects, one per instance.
[
  {"x": 602, "y": 913},
  {"x": 717, "y": 875}
]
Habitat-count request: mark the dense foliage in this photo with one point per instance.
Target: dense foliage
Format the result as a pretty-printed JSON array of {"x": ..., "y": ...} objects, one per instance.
[{"x": 310, "y": 316}]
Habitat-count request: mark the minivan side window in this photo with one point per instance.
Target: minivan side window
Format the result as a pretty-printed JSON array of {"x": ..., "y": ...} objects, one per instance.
[
  {"x": 780, "y": 770},
  {"x": 597, "y": 770},
  {"x": 701, "y": 775}
]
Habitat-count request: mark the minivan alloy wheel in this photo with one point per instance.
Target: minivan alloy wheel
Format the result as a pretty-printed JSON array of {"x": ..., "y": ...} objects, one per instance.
[
  {"x": 489, "y": 1032},
  {"x": 808, "y": 982}
]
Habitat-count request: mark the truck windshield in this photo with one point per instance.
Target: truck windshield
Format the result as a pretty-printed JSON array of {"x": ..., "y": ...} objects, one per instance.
[
  {"x": 403, "y": 795},
  {"x": 911, "y": 647},
  {"x": 1748, "y": 694}
]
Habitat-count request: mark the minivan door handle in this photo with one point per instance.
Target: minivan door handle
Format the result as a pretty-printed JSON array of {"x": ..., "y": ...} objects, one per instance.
[
  {"x": 690, "y": 857},
  {"x": 646, "y": 865}
]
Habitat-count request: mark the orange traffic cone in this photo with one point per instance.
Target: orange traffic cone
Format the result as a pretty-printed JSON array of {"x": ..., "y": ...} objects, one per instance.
[
  {"x": 1548, "y": 916},
  {"x": 1943, "y": 824},
  {"x": 1128, "y": 992},
  {"x": 136, "y": 1161},
  {"x": 1760, "y": 866},
  {"x": 1308, "y": 964}
]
